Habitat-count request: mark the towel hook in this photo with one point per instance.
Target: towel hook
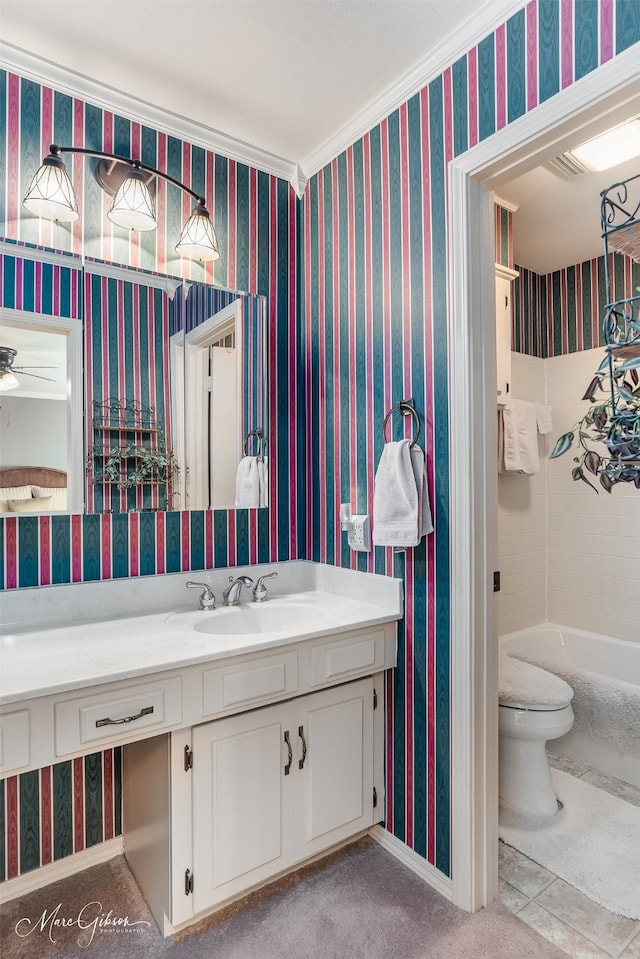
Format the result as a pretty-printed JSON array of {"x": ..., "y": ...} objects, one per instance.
[
  {"x": 407, "y": 408},
  {"x": 258, "y": 433}
]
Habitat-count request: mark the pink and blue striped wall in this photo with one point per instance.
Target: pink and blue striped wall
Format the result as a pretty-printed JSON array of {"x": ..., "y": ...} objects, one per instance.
[
  {"x": 356, "y": 280},
  {"x": 374, "y": 317},
  {"x": 561, "y": 312}
]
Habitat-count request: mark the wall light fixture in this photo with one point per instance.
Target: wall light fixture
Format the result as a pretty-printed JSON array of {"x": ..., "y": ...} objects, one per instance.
[{"x": 131, "y": 183}]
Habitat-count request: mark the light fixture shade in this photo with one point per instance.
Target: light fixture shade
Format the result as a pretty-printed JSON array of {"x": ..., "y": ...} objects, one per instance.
[
  {"x": 132, "y": 206},
  {"x": 198, "y": 239},
  {"x": 8, "y": 381},
  {"x": 51, "y": 195}
]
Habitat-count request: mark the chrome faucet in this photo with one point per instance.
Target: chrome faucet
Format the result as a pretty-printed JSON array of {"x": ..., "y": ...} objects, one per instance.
[
  {"x": 231, "y": 595},
  {"x": 207, "y": 599},
  {"x": 260, "y": 590}
]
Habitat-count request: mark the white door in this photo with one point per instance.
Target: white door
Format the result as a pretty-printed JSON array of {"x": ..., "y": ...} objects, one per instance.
[
  {"x": 241, "y": 803},
  {"x": 334, "y": 766}
]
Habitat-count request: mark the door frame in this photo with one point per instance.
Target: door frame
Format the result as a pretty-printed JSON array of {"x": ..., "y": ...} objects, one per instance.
[{"x": 611, "y": 92}]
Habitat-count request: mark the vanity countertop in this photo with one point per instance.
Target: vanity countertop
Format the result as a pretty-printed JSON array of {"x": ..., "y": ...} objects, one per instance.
[{"x": 41, "y": 660}]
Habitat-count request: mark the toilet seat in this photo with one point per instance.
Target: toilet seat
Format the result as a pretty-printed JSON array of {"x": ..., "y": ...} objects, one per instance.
[{"x": 522, "y": 685}]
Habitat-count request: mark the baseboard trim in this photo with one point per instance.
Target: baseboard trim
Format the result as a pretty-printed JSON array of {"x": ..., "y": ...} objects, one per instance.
[
  {"x": 428, "y": 873},
  {"x": 53, "y": 871}
]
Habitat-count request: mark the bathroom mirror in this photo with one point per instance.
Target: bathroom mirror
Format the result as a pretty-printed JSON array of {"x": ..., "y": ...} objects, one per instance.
[{"x": 175, "y": 391}]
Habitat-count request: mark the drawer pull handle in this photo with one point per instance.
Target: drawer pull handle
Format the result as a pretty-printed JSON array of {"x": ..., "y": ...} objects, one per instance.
[
  {"x": 304, "y": 747},
  {"x": 287, "y": 768},
  {"x": 145, "y": 711}
]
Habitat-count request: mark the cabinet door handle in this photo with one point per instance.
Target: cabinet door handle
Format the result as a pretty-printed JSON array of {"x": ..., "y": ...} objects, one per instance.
[
  {"x": 145, "y": 711},
  {"x": 287, "y": 768},
  {"x": 304, "y": 747}
]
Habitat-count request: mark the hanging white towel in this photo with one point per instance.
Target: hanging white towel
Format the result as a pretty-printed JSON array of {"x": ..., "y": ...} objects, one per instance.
[
  {"x": 401, "y": 514},
  {"x": 543, "y": 417},
  {"x": 262, "y": 479},
  {"x": 418, "y": 462},
  {"x": 520, "y": 437},
  {"x": 248, "y": 482}
]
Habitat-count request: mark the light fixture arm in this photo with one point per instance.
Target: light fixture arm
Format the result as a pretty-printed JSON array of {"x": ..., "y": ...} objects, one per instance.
[{"x": 134, "y": 164}]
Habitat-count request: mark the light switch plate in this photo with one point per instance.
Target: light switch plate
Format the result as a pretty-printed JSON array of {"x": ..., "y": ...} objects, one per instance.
[{"x": 359, "y": 538}]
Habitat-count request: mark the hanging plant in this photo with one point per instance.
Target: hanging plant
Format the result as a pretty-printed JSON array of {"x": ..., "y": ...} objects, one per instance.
[
  {"x": 149, "y": 466},
  {"x": 608, "y": 435}
]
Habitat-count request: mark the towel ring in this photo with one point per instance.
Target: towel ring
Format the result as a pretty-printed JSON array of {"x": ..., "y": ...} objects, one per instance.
[
  {"x": 258, "y": 435},
  {"x": 406, "y": 408}
]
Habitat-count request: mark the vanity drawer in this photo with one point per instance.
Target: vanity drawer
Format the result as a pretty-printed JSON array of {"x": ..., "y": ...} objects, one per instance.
[
  {"x": 342, "y": 659},
  {"x": 117, "y": 714},
  {"x": 14, "y": 740},
  {"x": 250, "y": 683}
]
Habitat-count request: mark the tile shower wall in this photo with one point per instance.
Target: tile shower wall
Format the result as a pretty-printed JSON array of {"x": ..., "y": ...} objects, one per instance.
[
  {"x": 373, "y": 324},
  {"x": 593, "y": 540},
  {"x": 583, "y": 537},
  {"x": 522, "y": 520}
]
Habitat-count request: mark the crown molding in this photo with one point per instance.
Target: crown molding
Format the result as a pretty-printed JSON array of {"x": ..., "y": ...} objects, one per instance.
[
  {"x": 44, "y": 71},
  {"x": 485, "y": 20}
]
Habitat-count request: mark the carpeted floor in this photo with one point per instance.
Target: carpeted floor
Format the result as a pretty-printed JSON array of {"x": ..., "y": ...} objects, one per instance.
[
  {"x": 593, "y": 843},
  {"x": 357, "y": 904}
]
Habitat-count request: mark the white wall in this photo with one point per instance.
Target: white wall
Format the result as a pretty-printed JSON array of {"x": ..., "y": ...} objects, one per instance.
[
  {"x": 567, "y": 555},
  {"x": 522, "y": 521},
  {"x": 593, "y": 540},
  {"x": 23, "y": 445}
]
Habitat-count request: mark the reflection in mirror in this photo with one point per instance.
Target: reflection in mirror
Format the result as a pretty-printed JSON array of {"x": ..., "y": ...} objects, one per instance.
[
  {"x": 41, "y": 413},
  {"x": 175, "y": 380},
  {"x": 225, "y": 402}
]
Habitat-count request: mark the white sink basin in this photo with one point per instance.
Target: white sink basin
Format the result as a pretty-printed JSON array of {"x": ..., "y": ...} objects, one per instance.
[{"x": 245, "y": 620}]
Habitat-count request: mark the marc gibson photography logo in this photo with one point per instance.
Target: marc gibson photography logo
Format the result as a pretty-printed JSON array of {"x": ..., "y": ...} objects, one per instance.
[{"x": 91, "y": 918}]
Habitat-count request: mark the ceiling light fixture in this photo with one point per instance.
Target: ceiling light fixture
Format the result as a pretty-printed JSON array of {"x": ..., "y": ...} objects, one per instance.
[
  {"x": 611, "y": 148},
  {"x": 52, "y": 197}
]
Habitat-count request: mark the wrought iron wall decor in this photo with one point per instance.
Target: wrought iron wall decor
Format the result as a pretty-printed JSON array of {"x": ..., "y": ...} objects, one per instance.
[{"x": 608, "y": 435}]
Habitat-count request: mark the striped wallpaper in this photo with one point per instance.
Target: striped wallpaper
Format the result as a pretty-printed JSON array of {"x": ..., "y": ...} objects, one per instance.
[
  {"x": 374, "y": 322},
  {"x": 356, "y": 280},
  {"x": 562, "y": 311}
]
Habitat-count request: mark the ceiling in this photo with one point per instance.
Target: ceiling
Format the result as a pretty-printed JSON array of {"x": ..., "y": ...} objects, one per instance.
[
  {"x": 298, "y": 80},
  {"x": 283, "y": 75}
]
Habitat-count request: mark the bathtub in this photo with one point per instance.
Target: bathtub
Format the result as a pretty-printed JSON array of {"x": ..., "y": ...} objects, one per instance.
[{"x": 604, "y": 674}]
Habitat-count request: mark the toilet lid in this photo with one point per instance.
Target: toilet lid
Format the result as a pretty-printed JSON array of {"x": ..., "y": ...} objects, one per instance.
[{"x": 527, "y": 686}]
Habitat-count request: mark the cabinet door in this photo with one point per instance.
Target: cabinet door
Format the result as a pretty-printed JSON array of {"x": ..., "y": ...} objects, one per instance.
[
  {"x": 242, "y": 800},
  {"x": 333, "y": 766},
  {"x": 503, "y": 337}
]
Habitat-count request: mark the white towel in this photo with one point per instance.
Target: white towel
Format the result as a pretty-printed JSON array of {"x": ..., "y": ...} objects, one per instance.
[
  {"x": 248, "y": 482},
  {"x": 418, "y": 462},
  {"x": 401, "y": 514},
  {"x": 520, "y": 437},
  {"x": 262, "y": 480},
  {"x": 543, "y": 416}
]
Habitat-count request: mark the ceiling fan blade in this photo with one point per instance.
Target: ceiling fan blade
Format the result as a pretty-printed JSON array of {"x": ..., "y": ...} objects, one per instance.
[
  {"x": 35, "y": 376},
  {"x": 21, "y": 369}
]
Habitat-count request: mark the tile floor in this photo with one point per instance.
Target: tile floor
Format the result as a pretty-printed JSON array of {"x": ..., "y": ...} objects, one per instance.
[{"x": 564, "y": 916}]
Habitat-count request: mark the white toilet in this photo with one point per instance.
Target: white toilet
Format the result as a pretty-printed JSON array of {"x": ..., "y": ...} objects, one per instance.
[{"x": 534, "y": 707}]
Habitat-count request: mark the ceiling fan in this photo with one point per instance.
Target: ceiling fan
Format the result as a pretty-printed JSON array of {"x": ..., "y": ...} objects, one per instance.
[{"x": 8, "y": 379}]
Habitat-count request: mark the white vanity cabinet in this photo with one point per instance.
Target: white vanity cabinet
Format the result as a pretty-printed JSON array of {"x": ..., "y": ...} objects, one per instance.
[
  {"x": 212, "y": 812},
  {"x": 277, "y": 785}
]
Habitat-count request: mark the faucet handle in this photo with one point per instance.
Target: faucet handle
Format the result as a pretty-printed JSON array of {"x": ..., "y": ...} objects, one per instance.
[
  {"x": 207, "y": 598},
  {"x": 260, "y": 590}
]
